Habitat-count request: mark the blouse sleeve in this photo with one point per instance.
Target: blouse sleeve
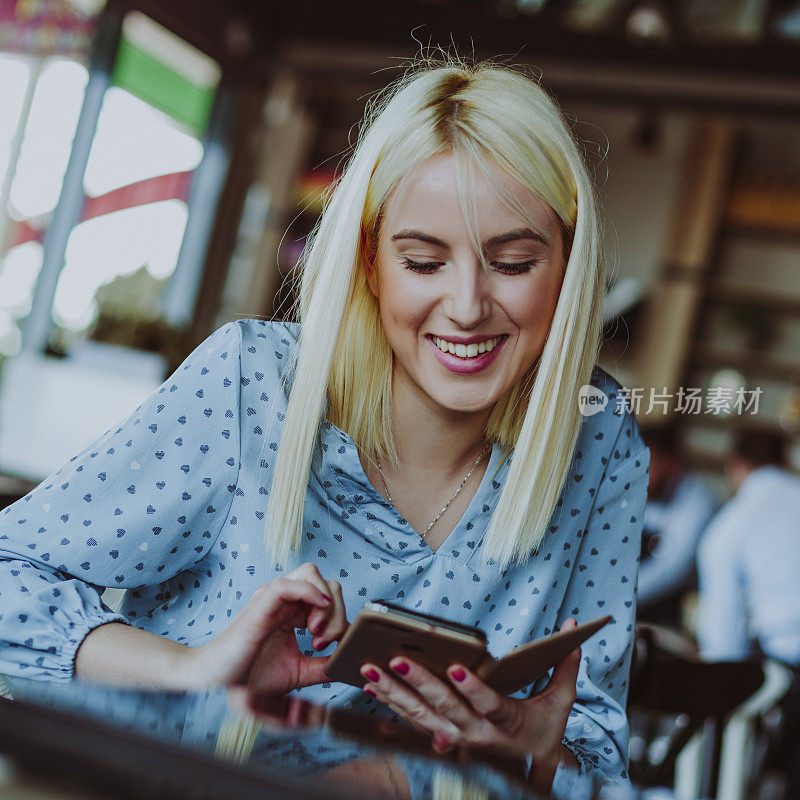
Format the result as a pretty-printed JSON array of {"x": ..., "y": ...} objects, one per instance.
[
  {"x": 144, "y": 502},
  {"x": 605, "y": 583}
]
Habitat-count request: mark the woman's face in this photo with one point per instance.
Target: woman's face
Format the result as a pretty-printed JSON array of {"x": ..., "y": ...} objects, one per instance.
[{"x": 435, "y": 296}]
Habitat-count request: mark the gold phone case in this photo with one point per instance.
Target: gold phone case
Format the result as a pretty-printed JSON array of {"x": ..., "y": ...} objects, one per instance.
[{"x": 377, "y": 636}]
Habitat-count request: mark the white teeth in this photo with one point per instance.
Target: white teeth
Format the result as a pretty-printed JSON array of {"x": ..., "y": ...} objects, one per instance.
[{"x": 466, "y": 350}]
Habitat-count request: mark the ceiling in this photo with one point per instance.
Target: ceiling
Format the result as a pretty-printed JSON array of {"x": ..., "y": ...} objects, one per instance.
[{"x": 730, "y": 56}]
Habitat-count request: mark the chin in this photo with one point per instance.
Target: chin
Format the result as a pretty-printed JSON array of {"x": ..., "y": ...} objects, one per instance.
[{"x": 467, "y": 405}]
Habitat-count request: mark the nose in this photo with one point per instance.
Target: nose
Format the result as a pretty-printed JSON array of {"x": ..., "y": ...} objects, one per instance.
[{"x": 468, "y": 301}]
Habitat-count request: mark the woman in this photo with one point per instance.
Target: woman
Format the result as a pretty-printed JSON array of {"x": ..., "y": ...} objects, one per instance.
[{"x": 420, "y": 441}]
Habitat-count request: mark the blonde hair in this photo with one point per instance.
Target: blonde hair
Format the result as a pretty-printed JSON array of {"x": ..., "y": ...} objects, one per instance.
[
  {"x": 447, "y": 784},
  {"x": 486, "y": 116}
]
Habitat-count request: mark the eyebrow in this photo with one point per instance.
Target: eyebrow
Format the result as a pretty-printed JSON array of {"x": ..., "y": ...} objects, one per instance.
[{"x": 510, "y": 236}]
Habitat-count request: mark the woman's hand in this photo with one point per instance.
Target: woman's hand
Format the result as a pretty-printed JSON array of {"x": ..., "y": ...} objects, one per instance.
[
  {"x": 259, "y": 648},
  {"x": 469, "y": 713}
]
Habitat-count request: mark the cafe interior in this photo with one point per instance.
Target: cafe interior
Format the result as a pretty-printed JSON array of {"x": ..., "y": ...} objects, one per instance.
[{"x": 162, "y": 165}]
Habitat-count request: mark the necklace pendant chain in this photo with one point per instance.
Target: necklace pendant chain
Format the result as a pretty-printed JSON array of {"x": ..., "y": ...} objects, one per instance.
[{"x": 455, "y": 494}]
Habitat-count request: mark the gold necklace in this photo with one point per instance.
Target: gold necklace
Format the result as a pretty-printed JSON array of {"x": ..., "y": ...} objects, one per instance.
[{"x": 452, "y": 497}]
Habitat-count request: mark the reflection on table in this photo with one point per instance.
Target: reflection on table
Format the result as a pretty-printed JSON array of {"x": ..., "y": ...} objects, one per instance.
[{"x": 154, "y": 744}]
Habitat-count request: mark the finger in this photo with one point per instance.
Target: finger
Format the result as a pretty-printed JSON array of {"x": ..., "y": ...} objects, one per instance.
[
  {"x": 298, "y": 591},
  {"x": 331, "y": 628},
  {"x": 406, "y": 702},
  {"x": 263, "y": 705},
  {"x": 309, "y": 572},
  {"x": 278, "y": 594},
  {"x": 338, "y": 624},
  {"x": 426, "y": 724},
  {"x": 270, "y": 598},
  {"x": 299, "y": 712},
  {"x": 309, "y": 671},
  {"x": 398, "y": 712},
  {"x": 306, "y": 572},
  {"x": 565, "y": 673},
  {"x": 437, "y": 693},
  {"x": 485, "y": 701},
  {"x": 317, "y": 618},
  {"x": 442, "y": 744},
  {"x": 312, "y": 670},
  {"x": 565, "y": 676}
]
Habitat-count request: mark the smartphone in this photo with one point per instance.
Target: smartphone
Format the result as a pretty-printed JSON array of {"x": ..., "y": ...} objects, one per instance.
[{"x": 383, "y": 630}]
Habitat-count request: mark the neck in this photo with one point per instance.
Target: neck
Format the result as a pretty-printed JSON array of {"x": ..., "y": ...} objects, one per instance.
[{"x": 430, "y": 439}]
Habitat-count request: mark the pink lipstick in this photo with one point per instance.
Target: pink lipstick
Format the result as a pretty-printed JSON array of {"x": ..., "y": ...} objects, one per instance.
[{"x": 464, "y": 366}]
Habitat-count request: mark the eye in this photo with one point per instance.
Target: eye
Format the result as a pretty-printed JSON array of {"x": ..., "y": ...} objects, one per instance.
[
  {"x": 508, "y": 268},
  {"x": 423, "y": 267},
  {"x": 514, "y": 268}
]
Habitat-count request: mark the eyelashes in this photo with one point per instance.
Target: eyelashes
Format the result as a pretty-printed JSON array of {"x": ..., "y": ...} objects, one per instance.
[
  {"x": 507, "y": 268},
  {"x": 423, "y": 267}
]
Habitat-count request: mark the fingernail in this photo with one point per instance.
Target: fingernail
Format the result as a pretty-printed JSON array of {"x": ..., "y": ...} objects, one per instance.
[
  {"x": 458, "y": 674},
  {"x": 327, "y": 599},
  {"x": 371, "y": 674},
  {"x": 439, "y": 746},
  {"x": 370, "y": 692},
  {"x": 401, "y": 667}
]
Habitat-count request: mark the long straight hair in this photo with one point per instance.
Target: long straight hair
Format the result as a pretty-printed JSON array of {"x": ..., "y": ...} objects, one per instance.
[{"x": 485, "y": 116}]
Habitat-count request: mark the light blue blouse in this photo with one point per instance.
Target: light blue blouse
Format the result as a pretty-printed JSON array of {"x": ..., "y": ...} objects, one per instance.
[{"x": 170, "y": 506}]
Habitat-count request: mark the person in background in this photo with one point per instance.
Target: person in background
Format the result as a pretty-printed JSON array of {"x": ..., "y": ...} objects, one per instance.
[
  {"x": 749, "y": 559},
  {"x": 679, "y": 506},
  {"x": 749, "y": 572}
]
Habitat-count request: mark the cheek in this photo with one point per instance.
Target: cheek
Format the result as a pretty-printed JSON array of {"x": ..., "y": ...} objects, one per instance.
[
  {"x": 403, "y": 303},
  {"x": 532, "y": 307}
]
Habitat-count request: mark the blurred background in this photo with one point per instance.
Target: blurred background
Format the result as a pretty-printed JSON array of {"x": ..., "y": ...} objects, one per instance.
[{"x": 162, "y": 162}]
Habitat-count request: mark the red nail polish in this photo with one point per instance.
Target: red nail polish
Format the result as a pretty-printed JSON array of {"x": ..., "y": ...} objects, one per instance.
[
  {"x": 370, "y": 692},
  {"x": 440, "y": 745},
  {"x": 371, "y": 675},
  {"x": 401, "y": 667},
  {"x": 459, "y": 674}
]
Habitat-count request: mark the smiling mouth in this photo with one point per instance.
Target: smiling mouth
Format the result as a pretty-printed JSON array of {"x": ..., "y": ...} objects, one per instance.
[{"x": 467, "y": 350}]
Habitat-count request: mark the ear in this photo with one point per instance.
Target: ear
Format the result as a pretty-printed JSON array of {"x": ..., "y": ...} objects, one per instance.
[{"x": 369, "y": 265}]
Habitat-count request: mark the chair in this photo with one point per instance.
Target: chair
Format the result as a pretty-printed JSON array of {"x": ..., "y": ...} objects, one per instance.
[{"x": 709, "y": 750}]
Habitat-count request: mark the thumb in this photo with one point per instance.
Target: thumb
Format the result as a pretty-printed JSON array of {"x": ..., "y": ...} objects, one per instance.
[
  {"x": 312, "y": 670},
  {"x": 565, "y": 672}
]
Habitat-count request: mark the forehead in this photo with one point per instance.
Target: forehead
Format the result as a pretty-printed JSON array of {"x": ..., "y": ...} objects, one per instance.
[{"x": 429, "y": 197}]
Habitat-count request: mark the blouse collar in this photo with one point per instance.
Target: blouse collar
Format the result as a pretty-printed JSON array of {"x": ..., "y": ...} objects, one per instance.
[{"x": 338, "y": 468}]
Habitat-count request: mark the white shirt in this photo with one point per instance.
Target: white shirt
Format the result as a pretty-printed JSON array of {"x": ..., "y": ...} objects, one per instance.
[
  {"x": 678, "y": 522},
  {"x": 749, "y": 571}
]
